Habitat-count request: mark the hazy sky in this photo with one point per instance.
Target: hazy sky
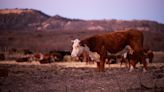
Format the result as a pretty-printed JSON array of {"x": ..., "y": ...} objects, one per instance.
[{"x": 94, "y": 9}]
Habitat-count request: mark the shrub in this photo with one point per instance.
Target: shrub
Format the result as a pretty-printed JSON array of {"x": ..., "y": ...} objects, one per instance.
[
  {"x": 2, "y": 56},
  {"x": 26, "y": 51},
  {"x": 24, "y": 59}
]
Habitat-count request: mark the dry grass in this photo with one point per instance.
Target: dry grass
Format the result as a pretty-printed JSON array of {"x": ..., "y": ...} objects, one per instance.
[
  {"x": 61, "y": 40},
  {"x": 40, "y": 41}
]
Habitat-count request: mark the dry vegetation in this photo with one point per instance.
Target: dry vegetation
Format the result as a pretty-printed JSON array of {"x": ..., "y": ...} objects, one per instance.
[
  {"x": 61, "y": 40},
  {"x": 41, "y": 41}
]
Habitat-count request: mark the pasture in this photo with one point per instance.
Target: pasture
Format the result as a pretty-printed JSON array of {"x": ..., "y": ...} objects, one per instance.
[
  {"x": 76, "y": 76},
  {"x": 73, "y": 76}
]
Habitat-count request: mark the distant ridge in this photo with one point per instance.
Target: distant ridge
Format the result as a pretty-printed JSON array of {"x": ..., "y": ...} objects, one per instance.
[
  {"x": 19, "y": 11},
  {"x": 11, "y": 19},
  {"x": 32, "y": 20}
]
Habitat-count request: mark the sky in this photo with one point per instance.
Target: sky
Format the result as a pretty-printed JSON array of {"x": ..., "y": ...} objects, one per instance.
[{"x": 94, "y": 9}]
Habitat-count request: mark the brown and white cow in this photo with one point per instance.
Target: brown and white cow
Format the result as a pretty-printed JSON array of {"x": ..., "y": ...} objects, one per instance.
[
  {"x": 114, "y": 42},
  {"x": 84, "y": 53},
  {"x": 121, "y": 56}
]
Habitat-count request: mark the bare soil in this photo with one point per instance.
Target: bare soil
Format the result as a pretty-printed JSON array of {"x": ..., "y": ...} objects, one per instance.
[{"x": 78, "y": 77}]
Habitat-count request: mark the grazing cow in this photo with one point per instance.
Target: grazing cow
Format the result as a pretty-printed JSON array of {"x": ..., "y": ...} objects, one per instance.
[
  {"x": 114, "y": 42},
  {"x": 47, "y": 58},
  {"x": 120, "y": 56},
  {"x": 42, "y": 58},
  {"x": 59, "y": 55},
  {"x": 37, "y": 57},
  {"x": 127, "y": 56}
]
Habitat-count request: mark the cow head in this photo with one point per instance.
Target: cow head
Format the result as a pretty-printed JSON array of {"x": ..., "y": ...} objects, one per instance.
[{"x": 77, "y": 49}]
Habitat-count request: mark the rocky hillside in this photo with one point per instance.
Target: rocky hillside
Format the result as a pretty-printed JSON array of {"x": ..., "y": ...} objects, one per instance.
[
  {"x": 11, "y": 19},
  {"x": 57, "y": 23},
  {"x": 102, "y": 25}
]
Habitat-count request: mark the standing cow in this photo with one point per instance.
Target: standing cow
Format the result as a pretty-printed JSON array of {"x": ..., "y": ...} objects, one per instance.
[{"x": 114, "y": 42}]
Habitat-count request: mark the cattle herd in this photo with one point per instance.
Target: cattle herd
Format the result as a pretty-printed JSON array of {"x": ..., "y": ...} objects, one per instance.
[
  {"x": 124, "y": 47},
  {"x": 43, "y": 58}
]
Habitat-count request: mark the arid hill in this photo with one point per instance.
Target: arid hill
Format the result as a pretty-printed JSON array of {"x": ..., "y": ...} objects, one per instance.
[
  {"x": 101, "y": 25},
  {"x": 20, "y": 19},
  {"x": 36, "y": 20}
]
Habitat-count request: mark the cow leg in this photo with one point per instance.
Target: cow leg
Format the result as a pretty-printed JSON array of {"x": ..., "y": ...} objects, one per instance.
[
  {"x": 85, "y": 57},
  {"x": 121, "y": 61},
  {"x": 132, "y": 65},
  {"x": 103, "y": 54},
  {"x": 85, "y": 60},
  {"x": 102, "y": 66},
  {"x": 90, "y": 61},
  {"x": 129, "y": 64},
  {"x": 131, "y": 68},
  {"x": 126, "y": 63},
  {"x": 150, "y": 59},
  {"x": 144, "y": 64},
  {"x": 98, "y": 66}
]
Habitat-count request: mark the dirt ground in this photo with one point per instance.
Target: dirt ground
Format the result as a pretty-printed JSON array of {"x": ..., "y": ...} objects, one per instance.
[{"x": 78, "y": 77}]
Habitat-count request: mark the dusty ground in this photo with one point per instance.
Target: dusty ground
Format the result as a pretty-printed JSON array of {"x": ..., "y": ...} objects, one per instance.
[{"x": 78, "y": 77}]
